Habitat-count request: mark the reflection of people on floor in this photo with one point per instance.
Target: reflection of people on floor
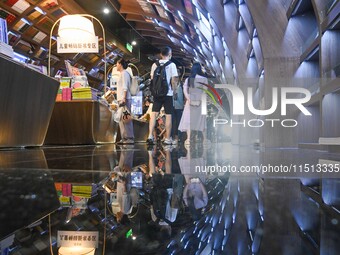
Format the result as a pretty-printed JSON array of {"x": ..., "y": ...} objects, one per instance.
[
  {"x": 160, "y": 161},
  {"x": 127, "y": 197},
  {"x": 165, "y": 198},
  {"x": 195, "y": 195},
  {"x": 126, "y": 160}
]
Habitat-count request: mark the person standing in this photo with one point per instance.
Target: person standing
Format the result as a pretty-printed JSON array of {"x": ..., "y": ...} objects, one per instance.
[
  {"x": 192, "y": 119},
  {"x": 178, "y": 100},
  {"x": 165, "y": 101},
  {"x": 124, "y": 98}
]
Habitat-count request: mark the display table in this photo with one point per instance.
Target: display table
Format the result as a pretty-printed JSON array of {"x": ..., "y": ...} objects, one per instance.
[
  {"x": 27, "y": 98},
  {"x": 81, "y": 122},
  {"x": 140, "y": 130}
]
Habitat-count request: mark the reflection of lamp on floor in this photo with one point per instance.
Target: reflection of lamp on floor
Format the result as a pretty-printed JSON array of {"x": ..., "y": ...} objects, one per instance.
[
  {"x": 76, "y": 251},
  {"x": 76, "y": 35},
  {"x": 77, "y": 30}
]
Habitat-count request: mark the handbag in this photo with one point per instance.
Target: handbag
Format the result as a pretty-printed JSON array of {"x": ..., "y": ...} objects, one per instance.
[
  {"x": 117, "y": 115},
  {"x": 126, "y": 115}
]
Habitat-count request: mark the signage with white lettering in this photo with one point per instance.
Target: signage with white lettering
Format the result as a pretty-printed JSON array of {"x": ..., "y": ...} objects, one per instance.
[
  {"x": 88, "y": 45},
  {"x": 85, "y": 239}
]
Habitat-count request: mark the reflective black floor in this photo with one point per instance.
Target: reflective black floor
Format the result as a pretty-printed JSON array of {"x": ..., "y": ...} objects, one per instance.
[{"x": 171, "y": 200}]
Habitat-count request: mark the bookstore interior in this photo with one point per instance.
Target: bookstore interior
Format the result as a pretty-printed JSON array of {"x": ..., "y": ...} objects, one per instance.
[{"x": 258, "y": 174}]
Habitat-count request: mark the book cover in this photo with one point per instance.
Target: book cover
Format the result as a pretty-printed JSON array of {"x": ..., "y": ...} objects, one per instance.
[
  {"x": 65, "y": 82},
  {"x": 67, "y": 189},
  {"x": 49, "y": 4},
  {"x": 20, "y": 6}
]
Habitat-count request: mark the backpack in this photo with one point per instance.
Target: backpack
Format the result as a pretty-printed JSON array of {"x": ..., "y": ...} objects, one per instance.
[{"x": 159, "y": 83}]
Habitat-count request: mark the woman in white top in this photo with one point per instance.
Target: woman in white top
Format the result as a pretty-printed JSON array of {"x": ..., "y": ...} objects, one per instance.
[
  {"x": 192, "y": 118},
  {"x": 124, "y": 98}
]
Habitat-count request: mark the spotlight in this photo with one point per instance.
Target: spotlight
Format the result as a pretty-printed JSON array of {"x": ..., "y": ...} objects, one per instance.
[
  {"x": 133, "y": 43},
  {"x": 106, "y": 10}
]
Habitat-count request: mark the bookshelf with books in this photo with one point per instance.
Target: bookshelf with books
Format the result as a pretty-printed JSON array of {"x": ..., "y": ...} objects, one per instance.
[{"x": 29, "y": 24}]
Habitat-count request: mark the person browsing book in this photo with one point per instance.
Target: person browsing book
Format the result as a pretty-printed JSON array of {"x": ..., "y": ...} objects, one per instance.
[{"x": 124, "y": 98}]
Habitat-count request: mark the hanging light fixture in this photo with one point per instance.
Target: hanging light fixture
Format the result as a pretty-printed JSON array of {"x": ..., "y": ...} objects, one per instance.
[
  {"x": 75, "y": 26},
  {"x": 78, "y": 27}
]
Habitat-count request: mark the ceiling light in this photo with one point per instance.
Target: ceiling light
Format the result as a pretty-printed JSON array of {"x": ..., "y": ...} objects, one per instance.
[
  {"x": 133, "y": 43},
  {"x": 106, "y": 10}
]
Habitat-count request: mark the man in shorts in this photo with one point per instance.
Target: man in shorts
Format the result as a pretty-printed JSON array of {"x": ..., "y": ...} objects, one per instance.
[{"x": 165, "y": 101}]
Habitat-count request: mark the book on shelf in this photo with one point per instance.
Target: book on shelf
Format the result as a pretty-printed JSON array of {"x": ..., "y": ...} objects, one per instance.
[
  {"x": 39, "y": 37},
  {"x": 20, "y": 6},
  {"x": 9, "y": 17},
  {"x": 34, "y": 14},
  {"x": 22, "y": 25},
  {"x": 12, "y": 38},
  {"x": 41, "y": 53},
  {"x": 59, "y": 13},
  {"x": 49, "y": 4},
  {"x": 31, "y": 32}
]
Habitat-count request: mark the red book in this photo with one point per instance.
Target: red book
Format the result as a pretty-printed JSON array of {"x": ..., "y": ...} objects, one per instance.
[{"x": 11, "y": 2}]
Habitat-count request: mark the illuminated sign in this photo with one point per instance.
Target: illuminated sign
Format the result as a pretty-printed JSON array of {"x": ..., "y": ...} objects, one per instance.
[
  {"x": 129, "y": 47},
  {"x": 67, "y": 45}
]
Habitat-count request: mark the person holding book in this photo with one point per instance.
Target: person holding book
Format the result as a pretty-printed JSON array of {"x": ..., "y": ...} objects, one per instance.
[{"x": 124, "y": 99}]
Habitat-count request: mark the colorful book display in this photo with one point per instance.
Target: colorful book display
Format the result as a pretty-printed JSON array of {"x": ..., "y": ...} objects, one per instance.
[
  {"x": 65, "y": 82},
  {"x": 66, "y": 94},
  {"x": 73, "y": 194},
  {"x": 84, "y": 93}
]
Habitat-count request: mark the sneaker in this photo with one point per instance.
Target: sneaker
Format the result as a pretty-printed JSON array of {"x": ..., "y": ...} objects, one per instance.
[
  {"x": 168, "y": 147},
  {"x": 128, "y": 141},
  {"x": 150, "y": 140},
  {"x": 167, "y": 141}
]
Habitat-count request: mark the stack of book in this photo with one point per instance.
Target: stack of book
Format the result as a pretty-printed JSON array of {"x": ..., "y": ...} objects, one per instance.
[
  {"x": 65, "y": 82},
  {"x": 66, "y": 94},
  {"x": 59, "y": 95},
  {"x": 84, "y": 93}
]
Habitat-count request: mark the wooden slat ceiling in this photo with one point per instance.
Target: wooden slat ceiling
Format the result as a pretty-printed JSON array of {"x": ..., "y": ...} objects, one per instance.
[{"x": 156, "y": 35}]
